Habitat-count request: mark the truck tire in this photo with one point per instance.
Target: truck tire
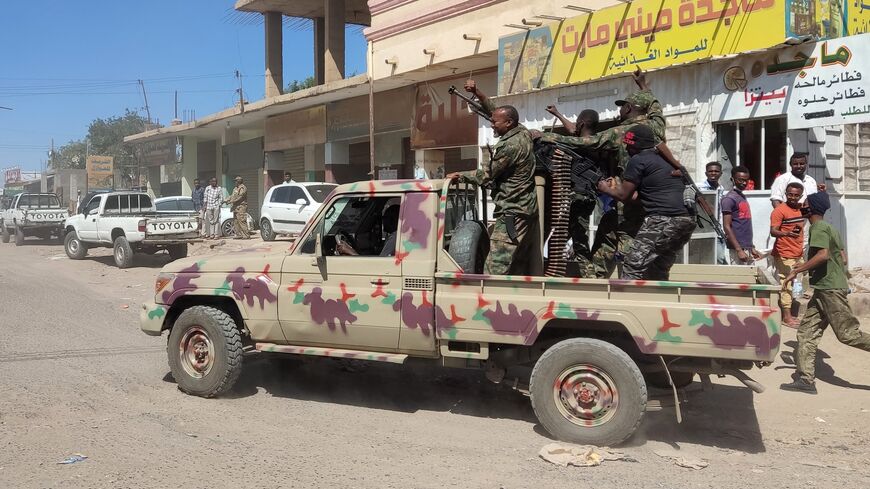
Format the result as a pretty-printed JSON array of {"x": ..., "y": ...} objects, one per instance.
[
  {"x": 266, "y": 231},
  {"x": 205, "y": 351},
  {"x": 660, "y": 379},
  {"x": 469, "y": 246},
  {"x": 177, "y": 251},
  {"x": 228, "y": 228},
  {"x": 123, "y": 252},
  {"x": 75, "y": 249},
  {"x": 19, "y": 236},
  {"x": 588, "y": 391},
  {"x": 4, "y": 233}
]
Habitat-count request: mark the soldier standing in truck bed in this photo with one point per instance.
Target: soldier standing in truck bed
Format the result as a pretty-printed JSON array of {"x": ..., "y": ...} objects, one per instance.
[
  {"x": 618, "y": 226},
  {"x": 510, "y": 174}
]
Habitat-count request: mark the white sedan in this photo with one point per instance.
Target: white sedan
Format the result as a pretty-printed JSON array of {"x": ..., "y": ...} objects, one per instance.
[
  {"x": 288, "y": 207},
  {"x": 183, "y": 203}
]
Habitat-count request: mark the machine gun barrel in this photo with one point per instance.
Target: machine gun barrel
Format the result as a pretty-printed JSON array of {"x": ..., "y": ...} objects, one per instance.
[{"x": 474, "y": 105}]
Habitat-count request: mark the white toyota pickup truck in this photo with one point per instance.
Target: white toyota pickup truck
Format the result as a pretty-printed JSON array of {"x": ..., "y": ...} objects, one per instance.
[
  {"x": 33, "y": 215},
  {"x": 127, "y": 222}
]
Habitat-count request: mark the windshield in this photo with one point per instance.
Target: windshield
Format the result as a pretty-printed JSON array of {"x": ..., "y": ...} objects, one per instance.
[
  {"x": 36, "y": 201},
  {"x": 320, "y": 192}
]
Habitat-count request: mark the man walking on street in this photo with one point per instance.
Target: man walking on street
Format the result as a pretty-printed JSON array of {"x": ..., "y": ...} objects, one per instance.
[
  {"x": 668, "y": 224},
  {"x": 737, "y": 220},
  {"x": 239, "y": 204},
  {"x": 714, "y": 173},
  {"x": 198, "y": 195},
  {"x": 212, "y": 197},
  {"x": 510, "y": 174},
  {"x": 830, "y": 304},
  {"x": 786, "y": 225}
]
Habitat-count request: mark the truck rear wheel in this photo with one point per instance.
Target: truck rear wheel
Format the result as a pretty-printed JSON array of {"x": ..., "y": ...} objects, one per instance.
[
  {"x": 19, "y": 236},
  {"x": 5, "y": 233},
  {"x": 177, "y": 251},
  {"x": 75, "y": 249},
  {"x": 123, "y": 252},
  {"x": 205, "y": 351},
  {"x": 588, "y": 391}
]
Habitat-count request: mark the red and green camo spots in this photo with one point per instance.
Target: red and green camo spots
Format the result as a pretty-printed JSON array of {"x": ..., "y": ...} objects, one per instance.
[
  {"x": 332, "y": 312},
  {"x": 413, "y": 317},
  {"x": 510, "y": 321},
  {"x": 183, "y": 282},
  {"x": 389, "y": 298},
  {"x": 664, "y": 332},
  {"x": 249, "y": 289}
]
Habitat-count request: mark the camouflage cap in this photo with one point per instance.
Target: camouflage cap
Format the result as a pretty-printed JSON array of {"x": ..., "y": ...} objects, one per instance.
[{"x": 641, "y": 100}]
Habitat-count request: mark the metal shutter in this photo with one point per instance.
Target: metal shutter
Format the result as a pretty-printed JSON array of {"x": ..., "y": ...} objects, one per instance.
[{"x": 294, "y": 161}]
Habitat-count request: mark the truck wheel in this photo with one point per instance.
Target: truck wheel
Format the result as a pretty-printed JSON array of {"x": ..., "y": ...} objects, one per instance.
[
  {"x": 660, "y": 379},
  {"x": 469, "y": 246},
  {"x": 5, "y": 233},
  {"x": 266, "y": 231},
  {"x": 19, "y": 236},
  {"x": 74, "y": 247},
  {"x": 205, "y": 351},
  {"x": 588, "y": 391},
  {"x": 177, "y": 251},
  {"x": 123, "y": 252}
]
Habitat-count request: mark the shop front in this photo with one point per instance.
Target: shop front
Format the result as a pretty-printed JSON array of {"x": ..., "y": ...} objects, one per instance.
[{"x": 294, "y": 143}]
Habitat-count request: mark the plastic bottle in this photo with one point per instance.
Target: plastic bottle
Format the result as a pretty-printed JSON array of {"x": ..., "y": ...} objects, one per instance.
[{"x": 797, "y": 287}]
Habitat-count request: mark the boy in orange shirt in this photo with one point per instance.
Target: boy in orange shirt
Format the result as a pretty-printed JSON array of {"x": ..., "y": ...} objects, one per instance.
[{"x": 786, "y": 225}]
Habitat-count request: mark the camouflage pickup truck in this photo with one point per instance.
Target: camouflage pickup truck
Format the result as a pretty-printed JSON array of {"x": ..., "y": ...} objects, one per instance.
[{"x": 584, "y": 350}]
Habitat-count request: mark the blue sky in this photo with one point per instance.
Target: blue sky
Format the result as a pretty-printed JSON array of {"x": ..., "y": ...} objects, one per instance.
[{"x": 66, "y": 63}]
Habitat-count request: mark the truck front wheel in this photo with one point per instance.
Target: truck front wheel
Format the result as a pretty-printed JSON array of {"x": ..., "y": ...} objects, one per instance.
[
  {"x": 74, "y": 247},
  {"x": 19, "y": 236},
  {"x": 205, "y": 351},
  {"x": 5, "y": 233},
  {"x": 588, "y": 391},
  {"x": 123, "y": 253}
]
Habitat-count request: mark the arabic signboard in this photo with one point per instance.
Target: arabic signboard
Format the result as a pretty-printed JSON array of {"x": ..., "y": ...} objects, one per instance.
[
  {"x": 13, "y": 175},
  {"x": 100, "y": 172},
  {"x": 442, "y": 120},
  {"x": 658, "y": 33},
  {"x": 817, "y": 84}
]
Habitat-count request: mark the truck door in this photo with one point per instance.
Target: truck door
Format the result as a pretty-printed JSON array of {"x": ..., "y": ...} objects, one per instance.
[
  {"x": 88, "y": 229},
  {"x": 346, "y": 300}
]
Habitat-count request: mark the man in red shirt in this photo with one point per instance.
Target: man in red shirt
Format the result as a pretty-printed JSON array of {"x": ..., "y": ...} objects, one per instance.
[{"x": 786, "y": 225}]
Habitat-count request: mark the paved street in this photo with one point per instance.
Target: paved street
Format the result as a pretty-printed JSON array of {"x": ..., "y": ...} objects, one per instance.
[{"x": 79, "y": 377}]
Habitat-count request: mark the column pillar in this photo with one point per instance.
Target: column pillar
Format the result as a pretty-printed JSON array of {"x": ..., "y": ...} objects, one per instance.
[
  {"x": 334, "y": 40},
  {"x": 274, "y": 54},
  {"x": 188, "y": 163},
  {"x": 319, "y": 49}
]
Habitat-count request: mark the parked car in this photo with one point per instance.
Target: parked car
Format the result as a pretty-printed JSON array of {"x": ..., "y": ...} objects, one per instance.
[
  {"x": 127, "y": 222},
  {"x": 38, "y": 215},
  {"x": 288, "y": 207},
  {"x": 183, "y": 203}
]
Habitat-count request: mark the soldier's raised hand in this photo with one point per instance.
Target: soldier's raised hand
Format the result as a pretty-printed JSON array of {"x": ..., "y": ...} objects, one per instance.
[
  {"x": 470, "y": 86},
  {"x": 640, "y": 79},
  {"x": 553, "y": 110}
]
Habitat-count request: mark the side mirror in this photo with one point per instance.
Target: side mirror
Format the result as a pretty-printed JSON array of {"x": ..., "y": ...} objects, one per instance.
[
  {"x": 93, "y": 212},
  {"x": 301, "y": 202}
]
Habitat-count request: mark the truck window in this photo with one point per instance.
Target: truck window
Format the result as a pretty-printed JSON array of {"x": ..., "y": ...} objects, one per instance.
[
  {"x": 297, "y": 193},
  {"x": 183, "y": 204},
  {"x": 167, "y": 205},
  {"x": 368, "y": 224},
  {"x": 281, "y": 195},
  {"x": 320, "y": 192},
  {"x": 37, "y": 201},
  {"x": 93, "y": 204},
  {"x": 145, "y": 203},
  {"x": 112, "y": 205}
]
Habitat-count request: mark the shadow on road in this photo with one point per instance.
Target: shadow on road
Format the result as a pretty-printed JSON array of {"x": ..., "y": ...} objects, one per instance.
[
  {"x": 824, "y": 372},
  {"x": 724, "y": 417},
  {"x": 139, "y": 260}
]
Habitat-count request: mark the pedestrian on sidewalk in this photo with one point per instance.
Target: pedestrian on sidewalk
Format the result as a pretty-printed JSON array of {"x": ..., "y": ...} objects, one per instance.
[
  {"x": 737, "y": 220},
  {"x": 198, "y": 197},
  {"x": 787, "y": 226},
  {"x": 212, "y": 197},
  {"x": 829, "y": 305}
]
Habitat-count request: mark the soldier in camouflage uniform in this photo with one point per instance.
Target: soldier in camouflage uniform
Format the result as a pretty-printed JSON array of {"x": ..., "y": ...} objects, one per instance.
[
  {"x": 668, "y": 223},
  {"x": 239, "y": 205},
  {"x": 510, "y": 174},
  {"x": 618, "y": 226},
  {"x": 829, "y": 306}
]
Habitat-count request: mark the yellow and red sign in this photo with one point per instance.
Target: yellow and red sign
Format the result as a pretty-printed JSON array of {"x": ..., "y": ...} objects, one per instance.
[{"x": 650, "y": 34}]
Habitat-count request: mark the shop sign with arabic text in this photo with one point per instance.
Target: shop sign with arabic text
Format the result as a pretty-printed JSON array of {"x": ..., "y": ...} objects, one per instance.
[
  {"x": 818, "y": 84},
  {"x": 650, "y": 34}
]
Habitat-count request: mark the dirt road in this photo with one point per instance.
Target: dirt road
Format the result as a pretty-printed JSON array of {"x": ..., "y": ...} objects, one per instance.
[{"x": 79, "y": 377}]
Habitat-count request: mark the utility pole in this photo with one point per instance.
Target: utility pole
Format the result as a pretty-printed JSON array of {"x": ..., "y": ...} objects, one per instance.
[
  {"x": 176, "y": 104},
  {"x": 145, "y": 96},
  {"x": 241, "y": 91}
]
